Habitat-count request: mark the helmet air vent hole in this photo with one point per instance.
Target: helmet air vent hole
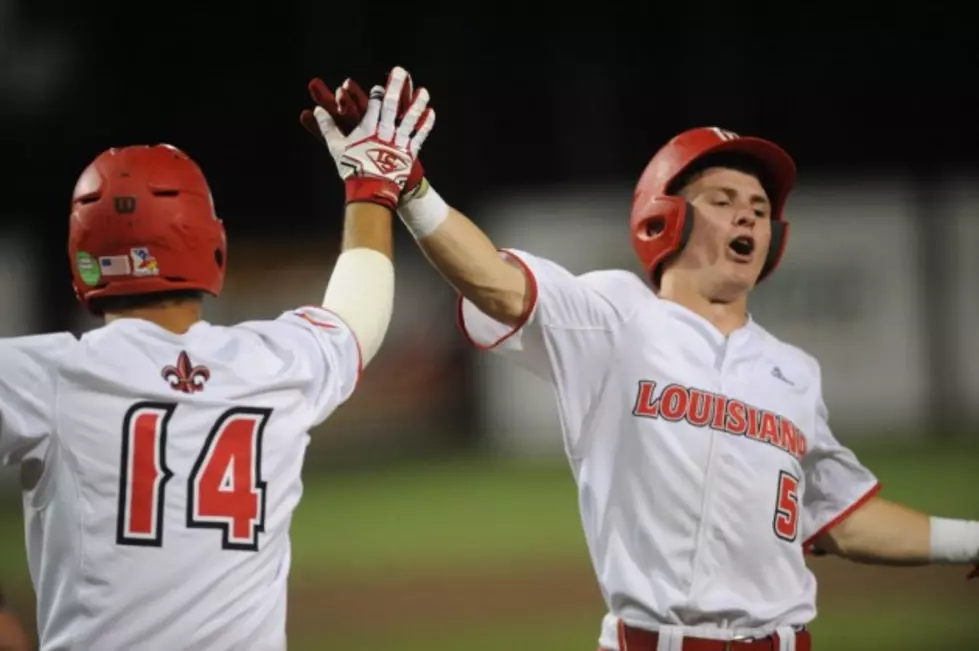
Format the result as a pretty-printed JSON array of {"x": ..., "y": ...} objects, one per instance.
[{"x": 655, "y": 226}]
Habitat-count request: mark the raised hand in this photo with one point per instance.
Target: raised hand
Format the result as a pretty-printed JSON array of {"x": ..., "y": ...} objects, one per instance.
[{"x": 347, "y": 107}]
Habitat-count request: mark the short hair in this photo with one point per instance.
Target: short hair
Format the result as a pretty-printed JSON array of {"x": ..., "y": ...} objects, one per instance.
[
  {"x": 105, "y": 304},
  {"x": 730, "y": 160}
]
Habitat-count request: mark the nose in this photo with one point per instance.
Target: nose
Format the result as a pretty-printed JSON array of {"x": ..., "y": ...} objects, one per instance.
[{"x": 744, "y": 216}]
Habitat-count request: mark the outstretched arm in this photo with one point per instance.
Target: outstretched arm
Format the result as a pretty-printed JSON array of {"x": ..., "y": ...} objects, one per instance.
[
  {"x": 361, "y": 288},
  {"x": 466, "y": 257},
  {"x": 501, "y": 287},
  {"x": 462, "y": 253},
  {"x": 884, "y": 533},
  {"x": 374, "y": 160},
  {"x": 847, "y": 518}
]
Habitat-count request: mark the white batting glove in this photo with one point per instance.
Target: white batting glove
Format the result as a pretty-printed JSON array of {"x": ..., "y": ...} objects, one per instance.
[{"x": 376, "y": 159}]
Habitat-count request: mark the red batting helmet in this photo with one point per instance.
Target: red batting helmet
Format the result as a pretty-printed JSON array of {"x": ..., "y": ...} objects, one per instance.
[
  {"x": 661, "y": 224},
  {"x": 142, "y": 222}
]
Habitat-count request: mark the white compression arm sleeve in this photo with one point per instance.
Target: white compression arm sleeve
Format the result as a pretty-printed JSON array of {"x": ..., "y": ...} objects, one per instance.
[{"x": 361, "y": 292}]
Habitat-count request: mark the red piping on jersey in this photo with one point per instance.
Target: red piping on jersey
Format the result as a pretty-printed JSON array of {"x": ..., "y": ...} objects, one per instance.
[
  {"x": 360, "y": 354},
  {"x": 807, "y": 545},
  {"x": 532, "y": 281},
  {"x": 620, "y": 631}
]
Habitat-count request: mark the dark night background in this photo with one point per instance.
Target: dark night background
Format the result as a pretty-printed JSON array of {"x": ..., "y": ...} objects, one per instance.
[{"x": 528, "y": 95}]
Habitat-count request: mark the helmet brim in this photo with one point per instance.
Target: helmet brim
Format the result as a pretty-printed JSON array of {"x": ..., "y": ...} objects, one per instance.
[{"x": 776, "y": 161}]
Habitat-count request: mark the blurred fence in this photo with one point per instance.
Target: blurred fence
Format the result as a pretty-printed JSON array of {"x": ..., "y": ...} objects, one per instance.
[{"x": 856, "y": 289}]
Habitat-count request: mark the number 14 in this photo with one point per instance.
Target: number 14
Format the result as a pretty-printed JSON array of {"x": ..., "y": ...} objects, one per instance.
[{"x": 225, "y": 490}]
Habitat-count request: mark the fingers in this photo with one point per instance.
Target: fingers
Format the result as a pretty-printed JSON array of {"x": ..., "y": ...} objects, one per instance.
[
  {"x": 407, "y": 95},
  {"x": 324, "y": 98},
  {"x": 418, "y": 106},
  {"x": 373, "y": 112},
  {"x": 397, "y": 112},
  {"x": 353, "y": 100},
  {"x": 331, "y": 133},
  {"x": 425, "y": 124},
  {"x": 389, "y": 106},
  {"x": 348, "y": 104},
  {"x": 341, "y": 107},
  {"x": 308, "y": 120},
  {"x": 354, "y": 93}
]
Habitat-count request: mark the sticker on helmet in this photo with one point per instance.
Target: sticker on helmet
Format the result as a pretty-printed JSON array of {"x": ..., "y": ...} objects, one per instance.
[
  {"x": 144, "y": 262},
  {"x": 114, "y": 265},
  {"x": 88, "y": 268}
]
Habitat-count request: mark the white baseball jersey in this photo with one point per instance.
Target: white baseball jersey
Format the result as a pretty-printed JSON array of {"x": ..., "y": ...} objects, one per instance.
[
  {"x": 704, "y": 463},
  {"x": 163, "y": 472}
]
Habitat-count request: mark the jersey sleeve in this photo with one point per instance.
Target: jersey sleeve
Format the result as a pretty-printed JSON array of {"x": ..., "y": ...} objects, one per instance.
[
  {"x": 28, "y": 387},
  {"x": 570, "y": 327},
  {"x": 324, "y": 351},
  {"x": 570, "y": 336},
  {"x": 836, "y": 483}
]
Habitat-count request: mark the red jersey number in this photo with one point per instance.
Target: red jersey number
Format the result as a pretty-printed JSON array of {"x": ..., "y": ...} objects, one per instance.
[
  {"x": 225, "y": 490},
  {"x": 786, "y": 522}
]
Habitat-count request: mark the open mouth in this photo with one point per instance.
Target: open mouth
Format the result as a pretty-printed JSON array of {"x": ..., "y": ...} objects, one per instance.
[{"x": 742, "y": 245}]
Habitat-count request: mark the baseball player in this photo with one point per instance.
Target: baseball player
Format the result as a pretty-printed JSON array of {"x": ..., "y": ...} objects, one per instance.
[
  {"x": 171, "y": 448},
  {"x": 12, "y": 635},
  {"x": 699, "y": 441}
]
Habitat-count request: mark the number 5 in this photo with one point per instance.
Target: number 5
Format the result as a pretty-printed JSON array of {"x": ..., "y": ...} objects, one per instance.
[
  {"x": 225, "y": 490},
  {"x": 786, "y": 523}
]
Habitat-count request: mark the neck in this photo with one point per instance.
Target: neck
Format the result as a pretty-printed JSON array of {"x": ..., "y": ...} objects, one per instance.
[
  {"x": 727, "y": 314},
  {"x": 177, "y": 317}
]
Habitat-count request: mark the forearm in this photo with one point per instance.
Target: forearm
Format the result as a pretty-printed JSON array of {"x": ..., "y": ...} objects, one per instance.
[
  {"x": 466, "y": 257},
  {"x": 361, "y": 287},
  {"x": 885, "y": 533}
]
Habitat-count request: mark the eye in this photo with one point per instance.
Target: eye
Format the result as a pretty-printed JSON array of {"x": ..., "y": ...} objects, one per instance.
[{"x": 761, "y": 213}]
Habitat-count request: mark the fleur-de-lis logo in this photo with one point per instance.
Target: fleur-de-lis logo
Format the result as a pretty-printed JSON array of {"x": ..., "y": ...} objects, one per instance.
[{"x": 185, "y": 377}]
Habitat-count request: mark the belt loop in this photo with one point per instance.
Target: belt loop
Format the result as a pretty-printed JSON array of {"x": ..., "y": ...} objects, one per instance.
[
  {"x": 786, "y": 638},
  {"x": 670, "y": 638}
]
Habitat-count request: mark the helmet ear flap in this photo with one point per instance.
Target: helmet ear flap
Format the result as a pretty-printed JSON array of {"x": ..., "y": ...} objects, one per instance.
[
  {"x": 660, "y": 230},
  {"x": 780, "y": 237},
  {"x": 686, "y": 230}
]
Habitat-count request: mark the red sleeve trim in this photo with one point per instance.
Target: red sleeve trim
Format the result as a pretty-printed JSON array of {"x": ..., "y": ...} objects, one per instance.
[
  {"x": 323, "y": 324},
  {"x": 811, "y": 540},
  {"x": 532, "y": 280}
]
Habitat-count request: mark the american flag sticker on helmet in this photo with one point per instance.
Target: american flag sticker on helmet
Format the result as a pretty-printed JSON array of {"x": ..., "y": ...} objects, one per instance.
[{"x": 115, "y": 265}]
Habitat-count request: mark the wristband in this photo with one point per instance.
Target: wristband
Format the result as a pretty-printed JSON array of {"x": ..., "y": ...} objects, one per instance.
[
  {"x": 423, "y": 210},
  {"x": 372, "y": 190},
  {"x": 954, "y": 542}
]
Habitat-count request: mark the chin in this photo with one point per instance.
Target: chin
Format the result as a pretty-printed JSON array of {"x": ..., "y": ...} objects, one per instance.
[{"x": 733, "y": 286}]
